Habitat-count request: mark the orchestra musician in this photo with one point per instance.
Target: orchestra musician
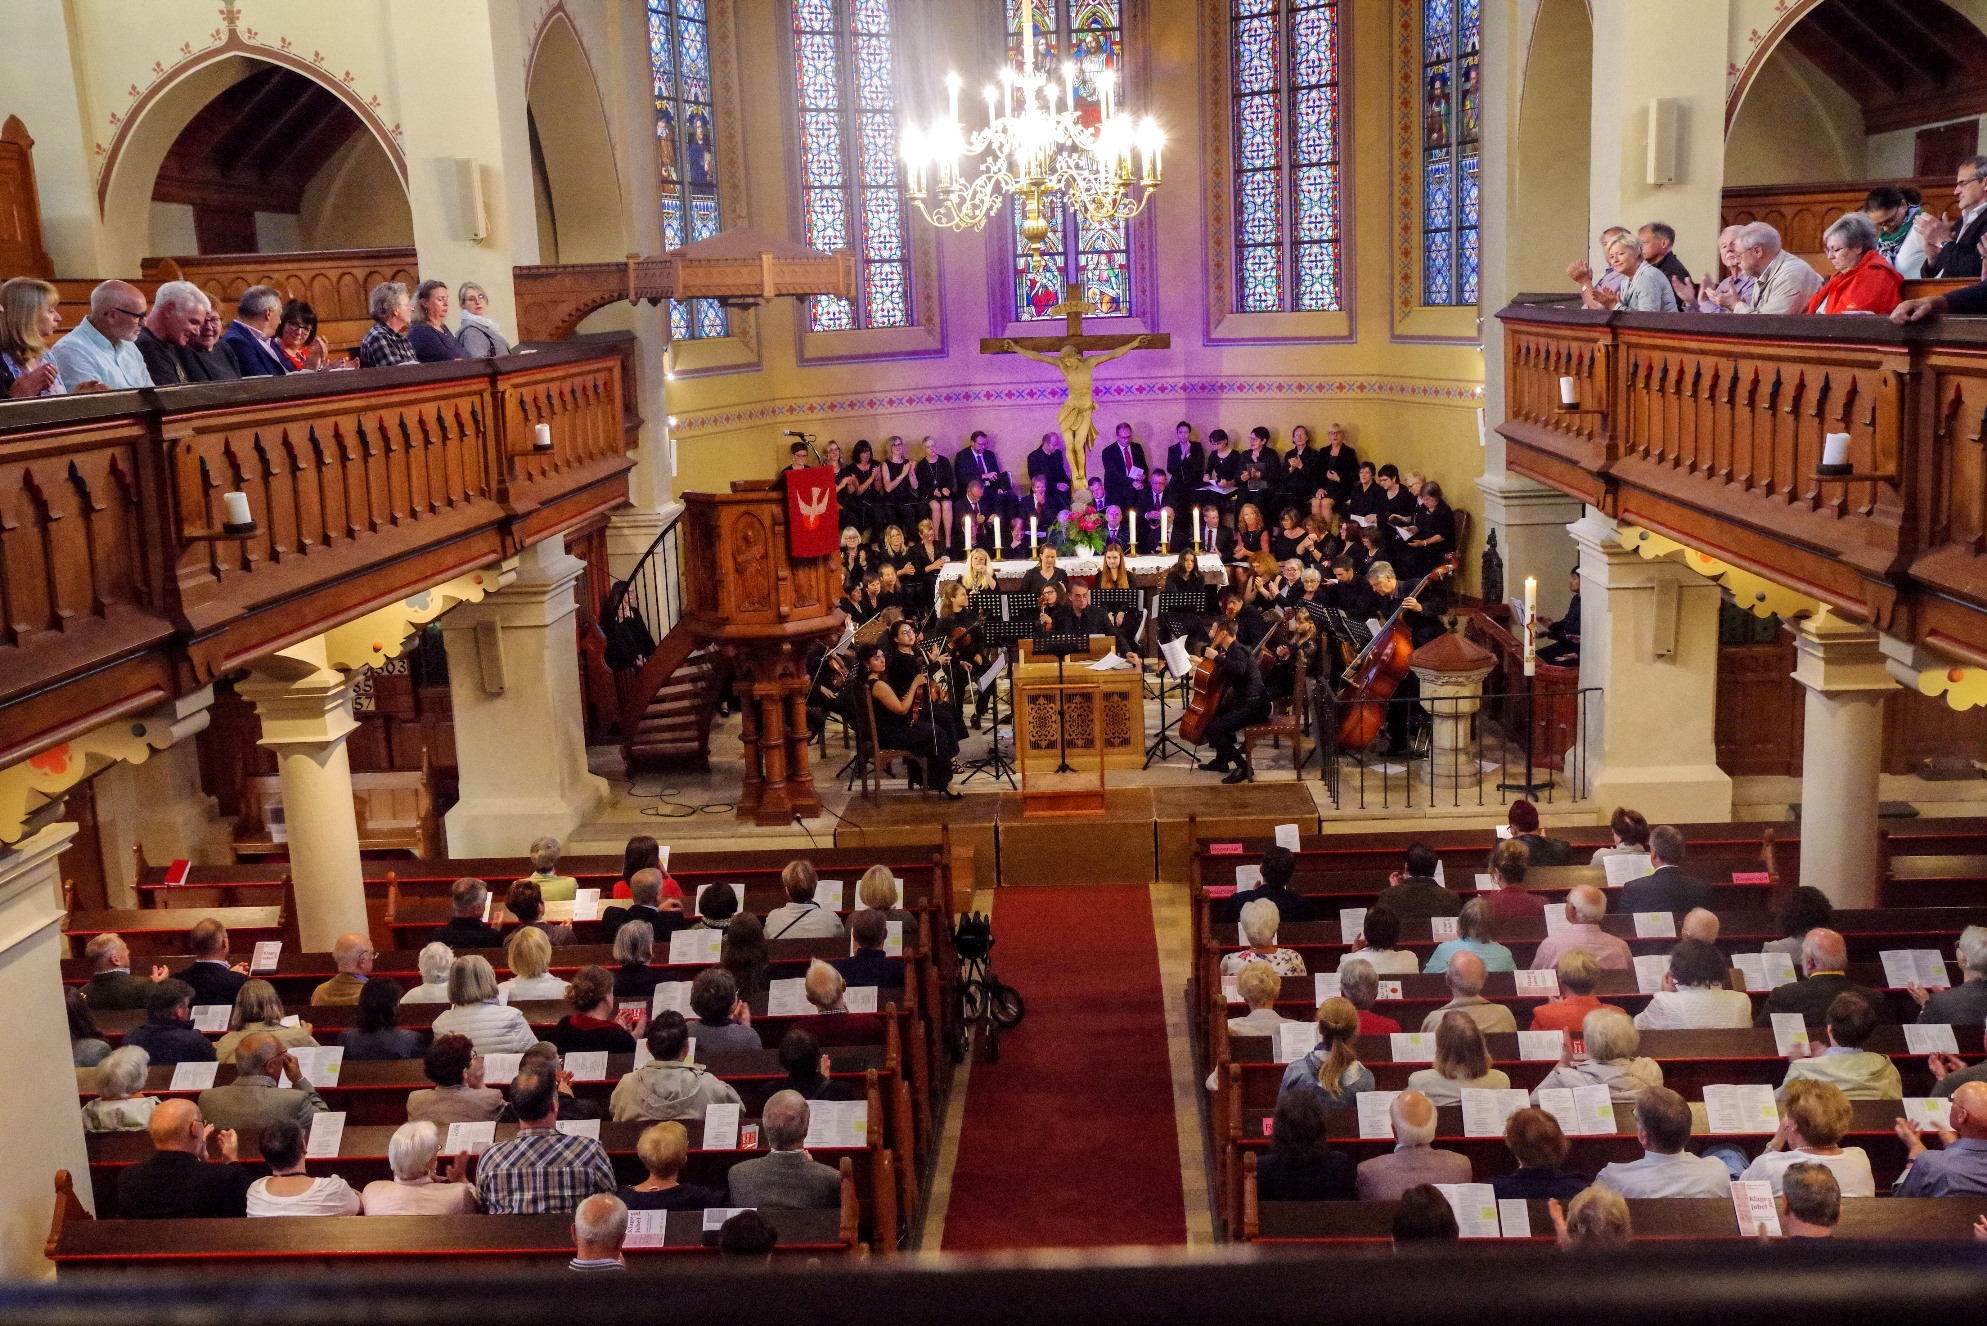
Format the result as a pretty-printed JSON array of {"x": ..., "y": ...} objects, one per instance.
[
  {"x": 1089, "y": 618},
  {"x": 1117, "y": 575},
  {"x": 1183, "y": 578},
  {"x": 1559, "y": 642},
  {"x": 1244, "y": 701},
  {"x": 907, "y": 721},
  {"x": 1045, "y": 572},
  {"x": 828, "y": 680},
  {"x": 1056, "y": 617},
  {"x": 1383, "y": 595},
  {"x": 1301, "y": 643},
  {"x": 979, "y": 573},
  {"x": 960, "y": 625}
]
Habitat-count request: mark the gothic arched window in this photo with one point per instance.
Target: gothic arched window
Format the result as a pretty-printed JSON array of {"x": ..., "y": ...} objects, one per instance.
[
  {"x": 1284, "y": 81},
  {"x": 1451, "y": 138},
  {"x": 686, "y": 147}
]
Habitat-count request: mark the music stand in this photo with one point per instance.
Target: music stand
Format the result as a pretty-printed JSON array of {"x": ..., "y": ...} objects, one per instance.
[
  {"x": 1116, "y": 600},
  {"x": 1062, "y": 646},
  {"x": 1164, "y": 746},
  {"x": 1003, "y": 625}
]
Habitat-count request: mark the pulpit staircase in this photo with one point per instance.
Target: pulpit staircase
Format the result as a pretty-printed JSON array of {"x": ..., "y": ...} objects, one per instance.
[{"x": 668, "y": 700}]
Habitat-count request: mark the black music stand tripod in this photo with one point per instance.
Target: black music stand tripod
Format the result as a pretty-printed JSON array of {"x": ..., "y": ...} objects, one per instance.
[
  {"x": 1003, "y": 631},
  {"x": 1062, "y": 646}
]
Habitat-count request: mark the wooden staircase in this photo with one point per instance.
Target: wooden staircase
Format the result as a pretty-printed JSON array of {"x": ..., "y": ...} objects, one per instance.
[{"x": 667, "y": 721}]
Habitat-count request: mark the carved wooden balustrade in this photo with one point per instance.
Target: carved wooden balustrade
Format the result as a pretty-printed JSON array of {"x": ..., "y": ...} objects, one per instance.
[
  {"x": 118, "y": 587},
  {"x": 336, "y": 283},
  {"x": 1709, "y": 429}
]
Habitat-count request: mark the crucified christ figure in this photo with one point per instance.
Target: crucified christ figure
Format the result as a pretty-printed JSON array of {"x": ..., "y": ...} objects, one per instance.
[{"x": 1076, "y": 419}]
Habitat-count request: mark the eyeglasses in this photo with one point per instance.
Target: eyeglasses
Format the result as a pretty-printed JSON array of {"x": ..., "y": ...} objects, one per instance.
[
  {"x": 125, "y": 312},
  {"x": 1965, "y": 180}
]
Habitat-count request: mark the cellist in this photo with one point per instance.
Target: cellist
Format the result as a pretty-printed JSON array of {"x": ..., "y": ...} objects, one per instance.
[
  {"x": 1381, "y": 596},
  {"x": 1244, "y": 701}
]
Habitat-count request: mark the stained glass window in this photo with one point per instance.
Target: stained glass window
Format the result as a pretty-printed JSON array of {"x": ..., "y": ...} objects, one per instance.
[
  {"x": 1284, "y": 84},
  {"x": 685, "y": 147},
  {"x": 845, "y": 73},
  {"x": 1090, "y": 35},
  {"x": 1451, "y": 125}
]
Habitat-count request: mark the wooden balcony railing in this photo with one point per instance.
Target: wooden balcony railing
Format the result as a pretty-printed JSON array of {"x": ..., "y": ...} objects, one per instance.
[
  {"x": 366, "y": 486},
  {"x": 1709, "y": 429}
]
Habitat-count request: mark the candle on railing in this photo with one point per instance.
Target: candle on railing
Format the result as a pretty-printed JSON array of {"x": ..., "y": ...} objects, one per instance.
[
  {"x": 996, "y": 534},
  {"x": 541, "y": 437},
  {"x": 236, "y": 506},
  {"x": 969, "y": 533},
  {"x": 1031, "y": 534},
  {"x": 1835, "y": 454},
  {"x": 1531, "y": 622},
  {"x": 1165, "y": 528},
  {"x": 1569, "y": 392}
]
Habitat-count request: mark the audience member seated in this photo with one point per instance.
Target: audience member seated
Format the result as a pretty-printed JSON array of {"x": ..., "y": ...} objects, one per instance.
[
  {"x": 1961, "y": 1167},
  {"x": 1954, "y": 250},
  {"x": 1473, "y": 935},
  {"x": 1861, "y": 1074},
  {"x": 102, "y": 352},
  {"x": 747, "y": 1237},
  {"x": 353, "y": 955},
  {"x": 1824, "y": 963},
  {"x": 552, "y": 886},
  {"x": 433, "y": 342},
  {"x": 251, "y": 338},
  {"x": 288, "y": 1190},
  {"x": 643, "y": 853},
  {"x": 1360, "y": 987},
  {"x": 176, "y": 1181},
  {"x": 259, "y": 1008},
  {"x": 1662, "y": 1126},
  {"x": 1645, "y": 289},
  {"x": 1412, "y": 894},
  {"x": 163, "y": 335},
  {"x": 644, "y": 893},
  {"x": 724, "y": 1022},
  {"x": 474, "y": 1012},
  {"x": 466, "y": 927},
  {"x": 1466, "y": 976},
  {"x": 663, "y": 1147},
  {"x": 807, "y": 1068},
  {"x": 385, "y": 344},
  {"x": 1697, "y": 993},
  {"x": 379, "y": 1034},
  {"x": 637, "y": 976},
  {"x": 121, "y": 1106},
  {"x": 458, "y": 1095},
  {"x": 1814, "y": 1202},
  {"x": 540, "y": 1170},
  {"x": 257, "y": 1096},
  {"x": 545, "y": 1057},
  {"x": 1539, "y": 1146},
  {"x": 212, "y": 979},
  {"x": 30, "y": 315},
  {"x": 1462, "y": 1063},
  {"x": 716, "y": 906},
  {"x": 530, "y": 956},
  {"x": 524, "y": 901},
  {"x": 1414, "y": 1159},
  {"x": 870, "y": 964},
  {"x": 1259, "y": 924},
  {"x": 112, "y": 984},
  {"x": 1667, "y": 888},
  {"x": 1508, "y": 864},
  {"x": 787, "y": 1176},
  {"x": 1783, "y": 283},
  {"x": 435, "y": 961},
  {"x": 600, "y": 1228},
  {"x": 1814, "y": 1118},
  {"x": 480, "y": 336},
  {"x": 877, "y": 891},
  {"x": 1965, "y": 1005},
  {"x": 1278, "y": 866},
  {"x": 1585, "y": 907},
  {"x": 1700, "y": 923},
  {"x": 1300, "y": 1166},
  {"x": 1578, "y": 974},
  {"x": 416, "y": 1188},
  {"x": 1258, "y": 985},
  {"x": 1540, "y": 850},
  {"x": 744, "y": 955},
  {"x": 168, "y": 1033},
  {"x": 87, "y": 1046},
  {"x": 1595, "y": 1218},
  {"x": 1581, "y": 273},
  {"x": 1424, "y": 1215},
  {"x": 297, "y": 338},
  {"x": 801, "y": 917},
  {"x": 591, "y": 1025},
  {"x": 1331, "y": 1071},
  {"x": 1378, "y": 933},
  {"x": 1864, "y": 281},
  {"x": 1631, "y": 835},
  {"x": 1806, "y": 908},
  {"x": 1608, "y": 1041},
  {"x": 206, "y": 359},
  {"x": 669, "y": 1086}
]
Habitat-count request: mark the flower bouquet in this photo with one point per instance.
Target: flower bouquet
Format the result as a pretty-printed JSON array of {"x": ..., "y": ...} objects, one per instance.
[{"x": 1082, "y": 529}]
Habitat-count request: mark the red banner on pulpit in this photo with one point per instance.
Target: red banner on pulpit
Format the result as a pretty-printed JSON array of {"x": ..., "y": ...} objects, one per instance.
[{"x": 813, "y": 515}]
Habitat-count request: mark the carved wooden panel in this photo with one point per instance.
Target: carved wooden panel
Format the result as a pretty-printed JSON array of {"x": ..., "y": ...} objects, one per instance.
[
  {"x": 739, "y": 583},
  {"x": 335, "y": 282},
  {"x": 1555, "y": 445},
  {"x": 22, "y": 252}
]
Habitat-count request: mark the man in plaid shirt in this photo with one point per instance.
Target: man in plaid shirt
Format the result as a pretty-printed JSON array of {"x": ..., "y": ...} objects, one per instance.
[
  {"x": 541, "y": 1171},
  {"x": 386, "y": 345}
]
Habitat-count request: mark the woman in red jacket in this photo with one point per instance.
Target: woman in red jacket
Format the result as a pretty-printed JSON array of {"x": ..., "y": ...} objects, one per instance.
[{"x": 1864, "y": 280}]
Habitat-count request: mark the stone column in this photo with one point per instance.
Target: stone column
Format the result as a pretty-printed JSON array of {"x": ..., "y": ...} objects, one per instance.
[
  {"x": 306, "y": 712},
  {"x": 38, "y": 1090},
  {"x": 1649, "y": 640},
  {"x": 1530, "y": 521},
  {"x": 1452, "y": 670},
  {"x": 1843, "y": 669},
  {"x": 520, "y": 738}
]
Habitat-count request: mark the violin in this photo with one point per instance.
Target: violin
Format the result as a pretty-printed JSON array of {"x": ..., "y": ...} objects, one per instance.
[{"x": 1373, "y": 677}]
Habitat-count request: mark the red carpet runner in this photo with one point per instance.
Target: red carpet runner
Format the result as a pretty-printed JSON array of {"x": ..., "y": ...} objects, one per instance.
[{"x": 1069, "y": 1140}]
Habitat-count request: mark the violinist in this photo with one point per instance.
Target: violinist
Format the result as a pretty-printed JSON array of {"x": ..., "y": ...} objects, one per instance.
[
  {"x": 905, "y": 660},
  {"x": 1299, "y": 645},
  {"x": 903, "y": 723},
  {"x": 1057, "y": 617},
  {"x": 1244, "y": 701},
  {"x": 910, "y": 657},
  {"x": 961, "y": 627},
  {"x": 1383, "y": 596},
  {"x": 828, "y": 677}
]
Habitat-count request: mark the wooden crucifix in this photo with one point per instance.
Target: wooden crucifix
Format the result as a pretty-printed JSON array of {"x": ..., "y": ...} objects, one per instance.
[{"x": 1076, "y": 420}]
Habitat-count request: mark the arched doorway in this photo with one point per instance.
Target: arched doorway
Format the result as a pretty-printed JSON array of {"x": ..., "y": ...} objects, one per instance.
[
  {"x": 1550, "y": 202},
  {"x": 576, "y": 183}
]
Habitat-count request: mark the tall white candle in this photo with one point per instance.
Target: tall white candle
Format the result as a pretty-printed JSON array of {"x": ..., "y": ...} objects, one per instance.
[
  {"x": 1569, "y": 393},
  {"x": 969, "y": 534},
  {"x": 1531, "y": 622},
  {"x": 1032, "y": 537},
  {"x": 1165, "y": 528},
  {"x": 996, "y": 534},
  {"x": 236, "y": 505}
]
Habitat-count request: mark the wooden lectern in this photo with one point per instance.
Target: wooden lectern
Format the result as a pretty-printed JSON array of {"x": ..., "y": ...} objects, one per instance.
[{"x": 744, "y": 595}]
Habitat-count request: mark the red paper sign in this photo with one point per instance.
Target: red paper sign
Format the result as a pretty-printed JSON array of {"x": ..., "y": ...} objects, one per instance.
[
  {"x": 813, "y": 515},
  {"x": 1751, "y": 877},
  {"x": 1224, "y": 849}
]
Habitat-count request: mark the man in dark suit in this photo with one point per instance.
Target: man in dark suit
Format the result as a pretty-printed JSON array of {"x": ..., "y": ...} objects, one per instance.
[
  {"x": 1145, "y": 516},
  {"x": 251, "y": 336},
  {"x": 1825, "y": 972},
  {"x": 112, "y": 983},
  {"x": 466, "y": 928},
  {"x": 1948, "y": 254},
  {"x": 644, "y": 891},
  {"x": 1414, "y": 892},
  {"x": 1090, "y": 618},
  {"x": 978, "y": 461},
  {"x": 870, "y": 964},
  {"x": 1668, "y": 889},
  {"x": 176, "y": 1180},
  {"x": 1186, "y": 465},
  {"x": 980, "y": 511},
  {"x": 213, "y": 980},
  {"x": 1124, "y": 469}
]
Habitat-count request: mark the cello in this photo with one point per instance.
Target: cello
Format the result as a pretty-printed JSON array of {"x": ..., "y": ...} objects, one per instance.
[
  {"x": 1372, "y": 678},
  {"x": 1211, "y": 685}
]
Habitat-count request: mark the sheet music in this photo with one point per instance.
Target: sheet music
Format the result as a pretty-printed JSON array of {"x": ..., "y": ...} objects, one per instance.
[
  {"x": 721, "y": 1127},
  {"x": 1748, "y": 1109},
  {"x": 1475, "y": 1205},
  {"x": 1541, "y": 1046},
  {"x": 500, "y": 1070},
  {"x": 1621, "y": 869},
  {"x": 1486, "y": 883},
  {"x": 1752, "y": 1203},
  {"x": 1288, "y": 836},
  {"x": 645, "y": 1229},
  {"x": 211, "y": 1017},
  {"x": 1324, "y": 985},
  {"x": 1915, "y": 966},
  {"x": 1581, "y": 1111},
  {"x": 1174, "y": 651},
  {"x": 1376, "y": 1118},
  {"x": 1650, "y": 969},
  {"x": 859, "y": 998},
  {"x": 993, "y": 672},
  {"x": 787, "y": 998},
  {"x": 193, "y": 1076},
  {"x": 671, "y": 995},
  {"x": 1555, "y": 918},
  {"x": 1351, "y": 923},
  {"x": 586, "y": 904},
  {"x": 1485, "y": 1111},
  {"x": 1930, "y": 1038},
  {"x": 828, "y": 894},
  {"x": 1515, "y": 1217},
  {"x": 318, "y": 1063},
  {"x": 1655, "y": 925},
  {"x": 327, "y": 1133},
  {"x": 1412, "y": 1047},
  {"x": 695, "y": 948},
  {"x": 1112, "y": 662},
  {"x": 1929, "y": 1114},
  {"x": 1248, "y": 878},
  {"x": 1764, "y": 971},
  {"x": 1294, "y": 1040}
]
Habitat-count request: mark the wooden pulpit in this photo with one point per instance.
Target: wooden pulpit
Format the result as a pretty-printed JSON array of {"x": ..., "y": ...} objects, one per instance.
[{"x": 744, "y": 594}]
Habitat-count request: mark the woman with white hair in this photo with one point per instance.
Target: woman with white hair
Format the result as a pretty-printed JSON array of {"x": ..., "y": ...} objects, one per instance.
[
  {"x": 1259, "y": 922},
  {"x": 259, "y": 1008},
  {"x": 1609, "y": 1040},
  {"x": 531, "y": 958},
  {"x": 481, "y": 337},
  {"x": 552, "y": 886},
  {"x": 120, "y": 1107},
  {"x": 493, "y": 1028},
  {"x": 435, "y": 962},
  {"x": 1597, "y": 1218},
  {"x": 1864, "y": 281},
  {"x": 416, "y": 1188}
]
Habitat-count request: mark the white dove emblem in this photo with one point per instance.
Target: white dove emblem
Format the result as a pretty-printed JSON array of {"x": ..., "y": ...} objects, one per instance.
[{"x": 817, "y": 509}]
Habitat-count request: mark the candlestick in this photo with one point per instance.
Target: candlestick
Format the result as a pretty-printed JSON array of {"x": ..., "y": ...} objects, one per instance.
[
  {"x": 1835, "y": 454},
  {"x": 969, "y": 534},
  {"x": 1165, "y": 528},
  {"x": 1531, "y": 621},
  {"x": 1569, "y": 393},
  {"x": 996, "y": 534},
  {"x": 1031, "y": 534}
]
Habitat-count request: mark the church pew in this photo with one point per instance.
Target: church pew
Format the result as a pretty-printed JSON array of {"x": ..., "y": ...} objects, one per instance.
[
  {"x": 153, "y": 932},
  {"x": 1934, "y": 880},
  {"x": 80, "y": 1245}
]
